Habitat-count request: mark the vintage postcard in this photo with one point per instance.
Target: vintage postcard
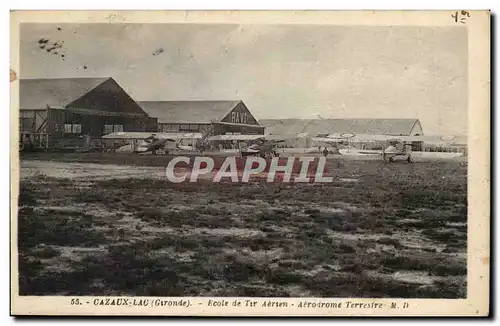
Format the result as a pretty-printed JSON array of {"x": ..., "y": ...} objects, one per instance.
[{"x": 250, "y": 163}]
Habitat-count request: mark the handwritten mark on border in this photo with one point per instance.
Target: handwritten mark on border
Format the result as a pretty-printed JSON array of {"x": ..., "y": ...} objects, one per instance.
[{"x": 460, "y": 16}]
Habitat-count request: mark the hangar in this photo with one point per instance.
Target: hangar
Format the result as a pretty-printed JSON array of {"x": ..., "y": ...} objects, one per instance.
[
  {"x": 61, "y": 111},
  {"x": 313, "y": 127},
  {"x": 206, "y": 117}
]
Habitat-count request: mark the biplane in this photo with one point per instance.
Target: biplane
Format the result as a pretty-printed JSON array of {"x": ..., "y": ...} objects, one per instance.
[
  {"x": 256, "y": 145},
  {"x": 262, "y": 147},
  {"x": 170, "y": 142},
  {"x": 151, "y": 142},
  {"x": 394, "y": 146}
]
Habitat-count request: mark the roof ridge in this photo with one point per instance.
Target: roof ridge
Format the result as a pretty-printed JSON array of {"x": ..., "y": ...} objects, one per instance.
[
  {"x": 67, "y": 78},
  {"x": 185, "y": 101},
  {"x": 326, "y": 119}
]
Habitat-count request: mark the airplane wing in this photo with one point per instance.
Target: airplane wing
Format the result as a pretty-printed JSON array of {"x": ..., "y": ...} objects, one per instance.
[
  {"x": 144, "y": 135},
  {"x": 440, "y": 140},
  {"x": 283, "y": 137},
  {"x": 127, "y": 135},
  {"x": 254, "y": 137},
  {"x": 373, "y": 138},
  {"x": 337, "y": 138},
  {"x": 445, "y": 140},
  {"x": 333, "y": 138},
  {"x": 189, "y": 135},
  {"x": 328, "y": 140},
  {"x": 235, "y": 137}
]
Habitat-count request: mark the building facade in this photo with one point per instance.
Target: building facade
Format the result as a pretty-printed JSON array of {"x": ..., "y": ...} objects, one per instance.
[
  {"x": 66, "y": 110},
  {"x": 206, "y": 117}
]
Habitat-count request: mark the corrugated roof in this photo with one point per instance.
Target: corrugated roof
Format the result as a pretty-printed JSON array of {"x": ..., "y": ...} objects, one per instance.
[
  {"x": 188, "y": 111},
  {"x": 55, "y": 92},
  {"x": 285, "y": 126},
  {"x": 338, "y": 126}
]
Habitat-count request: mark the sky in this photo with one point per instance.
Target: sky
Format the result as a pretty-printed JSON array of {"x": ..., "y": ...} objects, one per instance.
[{"x": 279, "y": 71}]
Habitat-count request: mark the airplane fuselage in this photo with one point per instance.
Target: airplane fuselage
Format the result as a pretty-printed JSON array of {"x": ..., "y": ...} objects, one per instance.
[{"x": 153, "y": 146}]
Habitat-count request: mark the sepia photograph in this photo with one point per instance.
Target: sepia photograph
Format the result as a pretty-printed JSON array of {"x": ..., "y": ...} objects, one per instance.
[{"x": 230, "y": 161}]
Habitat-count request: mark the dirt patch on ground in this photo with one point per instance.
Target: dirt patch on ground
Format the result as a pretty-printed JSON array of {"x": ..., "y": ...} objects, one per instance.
[{"x": 399, "y": 230}]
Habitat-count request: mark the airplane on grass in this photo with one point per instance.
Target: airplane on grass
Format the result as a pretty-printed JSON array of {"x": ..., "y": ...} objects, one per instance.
[
  {"x": 258, "y": 145},
  {"x": 265, "y": 145},
  {"x": 262, "y": 147},
  {"x": 395, "y": 146},
  {"x": 153, "y": 142}
]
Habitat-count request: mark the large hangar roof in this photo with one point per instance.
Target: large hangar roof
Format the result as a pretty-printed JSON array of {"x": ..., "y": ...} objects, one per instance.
[
  {"x": 339, "y": 126},
  {"x": 188, "y": 111},
  {"x": 37, "y": 94},
  {"x": 100, "y": 96}
]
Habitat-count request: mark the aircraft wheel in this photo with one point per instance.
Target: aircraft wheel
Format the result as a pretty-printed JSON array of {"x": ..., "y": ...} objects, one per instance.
[
  {"x": 391, "y": 160},
  {"x": 409, "y": 159}
]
